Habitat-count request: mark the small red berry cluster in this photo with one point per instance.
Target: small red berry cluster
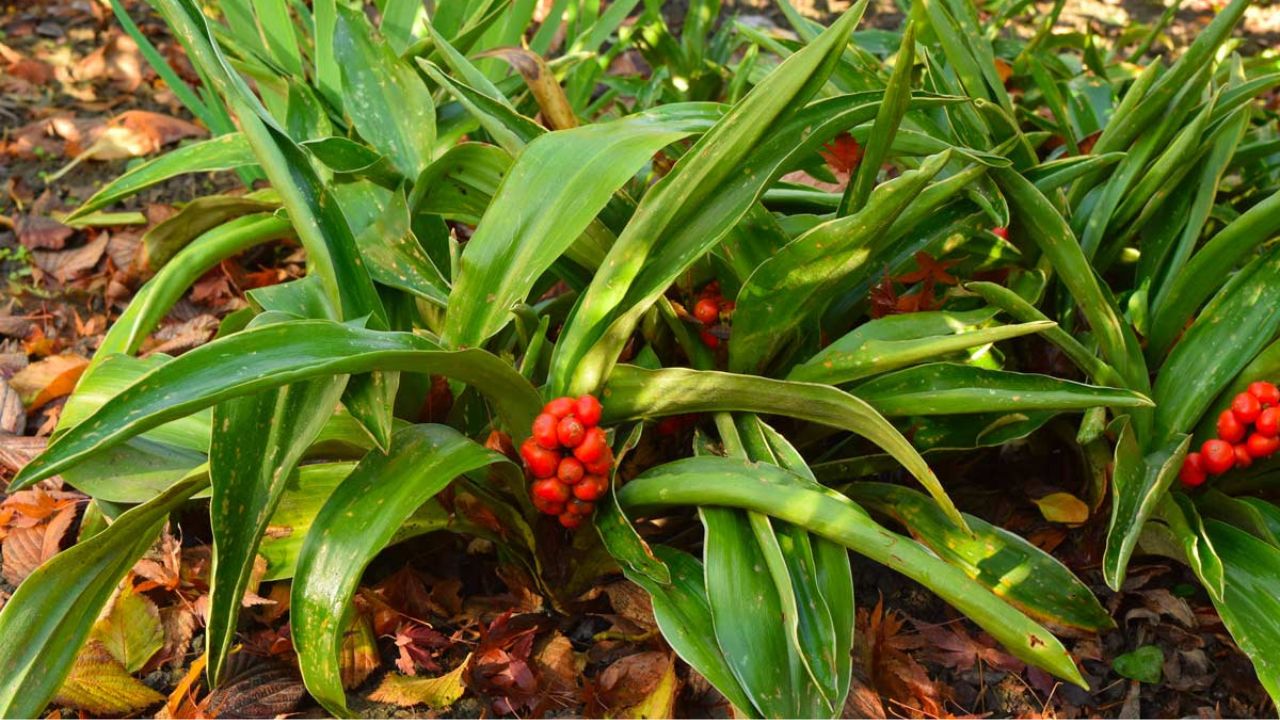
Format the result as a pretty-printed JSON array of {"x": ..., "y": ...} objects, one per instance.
[
  {"x": 569, "y": 459},
  {"x": 708, "y": 310},
  {"x": 1237, "y": 446}
]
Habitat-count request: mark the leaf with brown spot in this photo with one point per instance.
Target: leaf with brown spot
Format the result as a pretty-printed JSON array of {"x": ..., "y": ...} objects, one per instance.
[
  {"x": 98, "y": 684},
  {"x": 47, "y": 380}
]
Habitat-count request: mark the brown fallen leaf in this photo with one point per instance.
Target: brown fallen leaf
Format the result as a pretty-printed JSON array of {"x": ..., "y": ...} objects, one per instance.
[
  {"x": 176, "y": 339},
  {"x": 98, "y": 684},
  {"x": 629, "y": 680},
  {"x": 25, "y": 549},
  {"x": 13, "y": 418},
  {"x": 358, "y": 657},
  {"x": 254, "y": 687},
  {"x": 47, "y": 380},
  {"x": 951, "y": 646},
  {"x": 67, "y": 265},
  {"x": 179, "y": 623},
  {"x": 118, "y": 60},
  {"x": 37, "y": 231},
  {"x": 135, "y": 133}
]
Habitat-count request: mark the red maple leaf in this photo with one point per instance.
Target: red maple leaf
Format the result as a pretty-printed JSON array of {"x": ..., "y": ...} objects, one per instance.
[
  {"x": 928, "y": 268},
  {"x": 843, "y": 154}
]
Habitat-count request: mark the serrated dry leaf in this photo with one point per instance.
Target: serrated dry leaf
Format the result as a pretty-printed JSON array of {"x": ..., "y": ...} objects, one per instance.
[
  {"x": 438, "y": 693},
  {"x": 47, "y": 380},
  {"x": 25, "y": 549},
  {"x": 179, "y": 627},
  {"x": 131, "y": 630},
  {"x": 98, "y": 684}
]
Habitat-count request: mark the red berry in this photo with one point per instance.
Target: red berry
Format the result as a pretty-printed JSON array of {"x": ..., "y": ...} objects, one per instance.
[
  {"x": 589, "y": 410},
  {"x": 1229, "y": 428},
  {"x": 579, "y": 507},
  {"x": 707, "y": 310},
  {"x": 1268, "y": 422},
  {"x": 591, "y": 488},
  {"x": 544, "y": 431},
  {"x": 1218, "y": 456},
  {"x": 1243, "y": 458},
  {"x": 592, "y": 447},
  {"x": 1000, "y": 232},
  {"x": 551, "y": 490},
  {"x": 1192, "y": 474},
  {"x": 549, "y": 508},
  {"x": 559, "y": 407},
  {"x": 542, "y": 463},
  {"x": 570, "y": 521},
  {"x": 570, "y": 471},
  {"x": 709, "y": 339},
  {"x": 1267, "y": 393},
  {"x": 570, "y": 432},
  {"x": 1246, "y": 407},
  {"x": 603, "y": 465},
  {"x": 1261, "y": 446}
]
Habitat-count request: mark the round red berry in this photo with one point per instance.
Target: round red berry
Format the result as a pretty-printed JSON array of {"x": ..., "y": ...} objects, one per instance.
[
  {"x": 591, "y": 488},
  {"x": 592, "y": 447},
  {"x": 551, "y": 490},
  {"x": 707, "y": 310},
  {"x": 1267, "y": 393},
  {"x": 544, "y": 431},
  {"x": 549, "y": 508},
  {"x": 1261, "y": 446},
  {"x": 589, "y": 410},
  {"x": 601, "y": 466},
  {"x": 570, "y": 471},
  {"x": 542, "y": 463},
  {"x": 1218, "y": 456},
  {"x": 1246, "y": 407},
  {"x": 559, "y": 407},
  {"x": 1268, "y": 422},
  {"x": 1229, "y": 428},
  {"x": 570, "y": 432},
  {"x": 579, "y": 507},
  {"x": 569, "y": 520},
  {"x": 709, "y": 339},
  {"x": 1243, "y": 458},
  {"x": 1192, "y": 473},
  {"x": 1000, "y": 232}
]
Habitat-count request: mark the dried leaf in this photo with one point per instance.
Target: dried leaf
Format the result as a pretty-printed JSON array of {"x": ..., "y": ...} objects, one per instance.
[
  {"x": 25, "y": 549},
  {"x": 359, "y": 654},
  {"x": 438, "y": 693},
  {"x": 660, "y": 702},
  {"x": 254, "y": 688},
  {"x": 630, "y": 681},
  {"x": 182, "y": 701},
  {"x": 47, "y": 380},
  {"x": 99, "y": 684},
  {"x": 131, "y": 630},
  {"x": 39, "y": 232},
  {"x": 1063, "y": 507},
  {"x": 179, "y": 623},
  {"x": 67, "y": 265},
  {"x": 417, "y": 644},
  {"x": 951, "y": 646},
  {"x": 13, "y": 418}
]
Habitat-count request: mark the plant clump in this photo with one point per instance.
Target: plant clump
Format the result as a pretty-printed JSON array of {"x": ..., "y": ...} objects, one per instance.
[{"x": 569, "y": 459}]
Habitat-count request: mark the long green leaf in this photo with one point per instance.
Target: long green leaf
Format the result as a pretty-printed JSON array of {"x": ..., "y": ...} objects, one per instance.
[
  {"x": 1140, "y": 480},
  {"x": 1250, "y": 606}
]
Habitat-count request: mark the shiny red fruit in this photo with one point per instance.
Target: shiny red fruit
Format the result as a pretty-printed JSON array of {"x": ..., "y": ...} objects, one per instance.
[
  {"x": 591, "y": 488},
  {"x": 707, "y": 310},
  {"x": 1229, "y": 428},
  {"x": 1267, "y": 393},
  {"x": 601, "y": 466},
  {"x": 570, "y": 432},
  {"x": 1218, "y": 456},
  {"x": 588, "y": 409},
  {"x": 1268, "y": 422},
  {"x": 579, "y": 507},
  {"x": 1192, "y": 473},
  {"x": 1246, "y": 407},
  {"x": 570, "y": 471},
  {"x": 709, "y": 339},
  {"x": 592, "y": 447},
  {"x": 1242, "y": 456},
  {"x": 551, "y": 490},
  {"x": 570, "y": 521},
  {"x": 1002, "y": 233},
  {"x": 559, "y": 407},
  {"x": 549, "y": 508},
  {"x": 1261, "y": 446},
  {"x": 542, "y": 463},
  {"x": 544, "y": 431}
]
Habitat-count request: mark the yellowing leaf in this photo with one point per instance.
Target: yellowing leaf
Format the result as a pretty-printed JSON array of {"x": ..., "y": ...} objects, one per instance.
[
  {"x": 45, "y": 381},
  {"x": 359, "y": 655},
  {"x": 98, "y": 684},
  {"x": 132, "y": 631},
  {"x": 437, "y": 693},
  {"x": 661, "y": 702},
  {"x": 1063, "y": 507}
]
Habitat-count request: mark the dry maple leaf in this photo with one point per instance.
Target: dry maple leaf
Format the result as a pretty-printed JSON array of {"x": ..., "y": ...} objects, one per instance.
[
  {"x": 892, "y": 668},
  {"x": 417, "y": 644},
  {"x": 929, "y": 268},
  {"x": 843, "y": 154},
  {"x": 499, "y": 667},
  {"x": 951, "y": 646}
]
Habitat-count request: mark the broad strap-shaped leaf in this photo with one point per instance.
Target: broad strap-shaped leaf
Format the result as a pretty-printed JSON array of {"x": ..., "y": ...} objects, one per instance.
[
  {"x": 945, "y": 388},
  {"x": 789, "y": 291},
  {"x": 1250, "y": 604},
  {"x": 1139, "y": 481},
  {"x": 634, "y": 393},
  {"x": 713, "y": 481},
  {"x": 560, "y": 182},
  {"x": 685, "y": 214},
  {"x": 271, "y": 356},
  {"x": 396, "y": 259},
  {"x": 1027, "y": 577},
  {"x": 226, "y": 152},
  {"x": 54, "y": 609},
  {"x": 361, "y": 516}
]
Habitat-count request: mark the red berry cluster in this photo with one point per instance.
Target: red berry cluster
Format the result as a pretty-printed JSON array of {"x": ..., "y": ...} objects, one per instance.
[
  {"x": 1236, "y": 445},
  {"x": 708, "y": 310},
  {"x": 568, "y": 458}
]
